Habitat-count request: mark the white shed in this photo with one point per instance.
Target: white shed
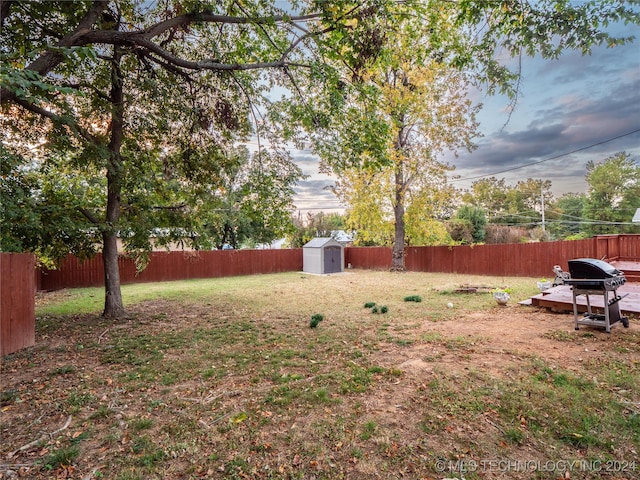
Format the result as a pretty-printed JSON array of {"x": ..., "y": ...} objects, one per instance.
[{"x": 323, "y": 255}]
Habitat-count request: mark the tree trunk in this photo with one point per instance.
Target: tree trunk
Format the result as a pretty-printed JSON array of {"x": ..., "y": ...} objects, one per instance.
[
  {"x": 113, "y": 306},
  {"x": 397, "y": 254}
]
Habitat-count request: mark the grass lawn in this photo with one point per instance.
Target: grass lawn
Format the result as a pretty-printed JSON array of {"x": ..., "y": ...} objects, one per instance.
[{"x": 290, "y": 376}]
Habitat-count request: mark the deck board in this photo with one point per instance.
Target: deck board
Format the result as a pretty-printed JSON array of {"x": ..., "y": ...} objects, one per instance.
[{"x": 560, "y": 299}]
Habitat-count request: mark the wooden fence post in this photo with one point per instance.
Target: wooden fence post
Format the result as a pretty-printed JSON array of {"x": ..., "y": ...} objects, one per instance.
[{"x": 17, "y": 302}]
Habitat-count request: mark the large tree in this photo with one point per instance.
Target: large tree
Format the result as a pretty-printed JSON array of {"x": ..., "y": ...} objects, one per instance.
[
  {"x": 475, "y": 37},
  {"x": 566, "y": 215},
  {"x": 134, "y": 110},
  {"x": 490, "y": 194},
  {"x": 424, "y": 106},
  {"x": 519, "y": 204}
]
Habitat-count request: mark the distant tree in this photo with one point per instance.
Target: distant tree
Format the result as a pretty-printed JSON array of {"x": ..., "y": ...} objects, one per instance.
[
  {"x": 523, "y": 202},
  {"x": 476, "y": 218},
  {"x": 613, "y": 194},
  {"x": 566, "y": 215},
  {"x": 314, "y": 225},
  {"x": 510, "y": 205},
  {"x": 460, "y": 230},
  {"x": 489, "y": 194}
]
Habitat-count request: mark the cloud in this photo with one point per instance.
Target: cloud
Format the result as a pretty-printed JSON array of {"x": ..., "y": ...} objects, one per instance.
[
  {"x": 315, "y": 195},
  {"x": 557, "y": 126}
]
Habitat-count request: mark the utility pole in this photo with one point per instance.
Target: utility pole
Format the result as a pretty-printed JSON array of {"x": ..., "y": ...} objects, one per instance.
[{"x": 542, "y": 199}]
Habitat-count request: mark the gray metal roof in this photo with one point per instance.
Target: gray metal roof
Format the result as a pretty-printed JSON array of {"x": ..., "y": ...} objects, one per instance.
[{"x": 320, "y": 242}]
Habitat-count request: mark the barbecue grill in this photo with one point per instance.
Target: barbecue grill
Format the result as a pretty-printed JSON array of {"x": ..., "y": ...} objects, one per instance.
[{"x": 589, "y": 276}]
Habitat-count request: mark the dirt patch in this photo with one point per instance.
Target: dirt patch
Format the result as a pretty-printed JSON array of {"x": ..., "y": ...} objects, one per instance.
[{"x": 495, "y": 341}]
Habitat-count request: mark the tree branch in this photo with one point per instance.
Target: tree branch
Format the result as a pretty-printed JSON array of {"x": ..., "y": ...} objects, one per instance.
[
  {"x": 189, "y": 18},
  {"x": 43, "y": 438},
  {"x": 59, "y": 119},
  {"x": 89, "y": 216},
  {"x": 51, "y": 59},
  {"x": 5, "y": 7}
]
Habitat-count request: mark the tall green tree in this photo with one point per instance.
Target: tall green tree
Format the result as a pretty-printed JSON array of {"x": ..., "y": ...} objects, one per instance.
[
  {"x": 489, "y": 194},
  {"x": 423, "y": 106},
  {"x": 314, "y": 225},
  {"x": 519, "y": 204},
  {"x": 613, "y": 194},
  {"x": 525, "y": 201},
  {"x": 141, "y": 104},
  {"x": 359, "y": 128}
]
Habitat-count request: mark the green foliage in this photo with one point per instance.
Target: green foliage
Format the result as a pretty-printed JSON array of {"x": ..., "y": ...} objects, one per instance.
[
  {"x": 314, "y": 225},
  {"x": 315, "y": 320},
  {"x": 379, "y": 309},
  {"x": 578, "y": 236},
  {"x": 413, "y": 298},
  {"x": 61, "y": 457},
  {"x": 566, "y": 216},
  {"x": 613, "y": 195},
  {"x": 518, "y": 205},
  {"x": 369, "y": 304},
  {"x": 39, "y": 213},
  {"x": 476, "y": 218}
]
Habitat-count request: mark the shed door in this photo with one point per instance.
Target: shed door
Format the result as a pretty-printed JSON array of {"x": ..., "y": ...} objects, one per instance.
[{"x": 332, "y": 259}]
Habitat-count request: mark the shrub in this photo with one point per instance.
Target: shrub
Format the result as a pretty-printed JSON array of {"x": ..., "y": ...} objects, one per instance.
[
  {"x": 413, "y": 298},
  {"x": 315, "y": 320}
]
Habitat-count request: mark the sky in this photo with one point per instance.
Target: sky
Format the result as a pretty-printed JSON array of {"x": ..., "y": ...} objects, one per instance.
[{"x": 587, "y": 103}]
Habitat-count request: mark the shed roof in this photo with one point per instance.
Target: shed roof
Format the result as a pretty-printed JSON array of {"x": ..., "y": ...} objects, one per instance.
[{"x": 320, "y": 242}]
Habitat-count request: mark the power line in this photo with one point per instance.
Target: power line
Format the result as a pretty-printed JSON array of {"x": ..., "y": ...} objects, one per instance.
[{"x": 548, "y": 159}]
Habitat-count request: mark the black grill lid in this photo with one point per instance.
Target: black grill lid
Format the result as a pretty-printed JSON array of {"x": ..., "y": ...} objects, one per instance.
[{"x": 591, "y": 268}]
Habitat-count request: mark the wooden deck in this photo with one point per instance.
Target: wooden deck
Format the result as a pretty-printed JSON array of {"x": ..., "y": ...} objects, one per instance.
[{"x": 560, "y": 299}]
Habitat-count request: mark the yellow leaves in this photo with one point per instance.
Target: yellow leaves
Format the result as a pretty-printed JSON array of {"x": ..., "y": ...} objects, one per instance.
[
  {"x": 351, "y": 22},
  {"x": 239, "y": 417}
]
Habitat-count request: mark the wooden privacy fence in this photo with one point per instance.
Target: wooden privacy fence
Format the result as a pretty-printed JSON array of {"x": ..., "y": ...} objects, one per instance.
[
  {"x": 517, "y": 259},
  {"x": 526, "y": 260},
  {"x": 167, "y": 266},
  {"x": 17, "y": 302}
]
